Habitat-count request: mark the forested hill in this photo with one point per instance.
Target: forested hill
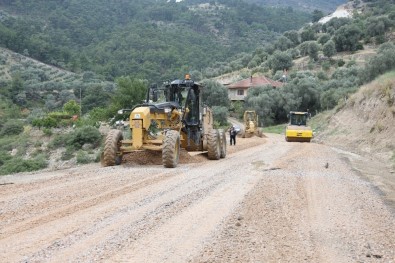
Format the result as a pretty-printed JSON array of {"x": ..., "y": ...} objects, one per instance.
[
  {"x": 323, "y": 5},
  {"x": 141, "y": 38}
]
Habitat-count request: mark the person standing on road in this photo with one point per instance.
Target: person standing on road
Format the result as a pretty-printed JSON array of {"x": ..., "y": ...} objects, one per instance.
[{"x": 232, "y": 133}]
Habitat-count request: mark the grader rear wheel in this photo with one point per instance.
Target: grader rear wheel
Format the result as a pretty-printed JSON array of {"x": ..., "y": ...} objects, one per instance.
[
  {"x": 222, "y": 137},
  {"x": 171, "y": 149},
  {"x": 213, "y": 145},
  {"x": 111, "y": 153}
]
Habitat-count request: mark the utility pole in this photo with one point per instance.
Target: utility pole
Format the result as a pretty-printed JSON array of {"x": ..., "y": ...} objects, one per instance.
[{"x": 80, "y": 103}]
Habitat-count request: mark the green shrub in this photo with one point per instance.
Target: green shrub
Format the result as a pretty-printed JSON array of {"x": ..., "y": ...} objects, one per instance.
[
  {"x": 58, "y": 141},
  {"x": 18, "y": 164},
  {"x": 49, "y": 122},
  {"x": 98, "y": 156},
  {"x": 83, "y": 157},
  {"x": 11, "y": 127},
  {"x": 47, "y": 132},
  {"x": 4, "y": 157},
  {"x": 81, "y": 136},
  {"x": 37, "y": 152},
  {"x": 7, "y": 143},
  {"x": 326, "y": 65},
  {"x": 68, "y": 154}
]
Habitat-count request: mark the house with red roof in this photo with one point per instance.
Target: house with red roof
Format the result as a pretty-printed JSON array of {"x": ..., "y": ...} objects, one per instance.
[{"x": 239, "y": 90}]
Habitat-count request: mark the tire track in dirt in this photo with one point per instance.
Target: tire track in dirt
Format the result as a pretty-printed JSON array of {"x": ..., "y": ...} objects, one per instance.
[
  {"x": 98, "y": 228},
  {"x": 307, "y": 211},
  {"x": 85, "y": 203},
  {"x": 25, "y": 182},
  {"x": 53, "y": 195}
]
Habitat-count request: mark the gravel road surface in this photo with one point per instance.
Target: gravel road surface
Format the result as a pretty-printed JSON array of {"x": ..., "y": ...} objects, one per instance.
[{"x": 267, "y": 201}]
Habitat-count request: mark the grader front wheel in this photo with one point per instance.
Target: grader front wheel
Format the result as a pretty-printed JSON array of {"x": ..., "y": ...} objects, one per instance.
[
  {"x": 111, "y": 153},
  {"x": 213, "y": 145},
  {"x": 171, "y": 149}
]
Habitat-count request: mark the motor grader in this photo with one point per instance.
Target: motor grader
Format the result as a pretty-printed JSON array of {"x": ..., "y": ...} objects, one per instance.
[
  {"x": 172, "y": 117},
  {"x": 297, "y": 129},
  {"x": 251, "y": 125}
]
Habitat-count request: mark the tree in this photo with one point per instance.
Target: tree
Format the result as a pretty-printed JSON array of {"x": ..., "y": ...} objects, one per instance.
[
  {"x": 16, "y": 88},
  {"x": 220, "y": 114},
  {"x": 307, "y": 34},
  {"x": 293, "y": 35},
  {"x": 129, "y": 93},
  {"x": 313, "y": 49},
  {"x": 51, "y": 103},
  {"x": 215, "y": 94},
  {"x": 381, "y": 63},
  {"x": 317, "y": 15},
  {"x": 71, "y": 107},
  {"x": 324, "y": 38},
  {"x": 283, "y": 43},
  {"x": 65, "y": 96},
  {"x": 329, "y": 49},
  {"x": 280, "y": 61},
  {"x": 347, "y": 38}
]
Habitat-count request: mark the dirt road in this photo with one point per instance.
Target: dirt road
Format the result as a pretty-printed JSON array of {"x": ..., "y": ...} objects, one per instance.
[{"x": 268, "y": 201}]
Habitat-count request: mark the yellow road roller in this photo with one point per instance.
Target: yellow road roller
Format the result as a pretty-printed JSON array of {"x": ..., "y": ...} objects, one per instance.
[{"x": 297, "y": 129}]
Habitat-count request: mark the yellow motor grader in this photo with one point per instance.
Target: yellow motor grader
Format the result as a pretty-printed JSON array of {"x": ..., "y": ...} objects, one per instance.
[
  {"x": 297, "y": 129},
  {"x": 172, "y": 117},
  {"x": 251, "y": 125}
]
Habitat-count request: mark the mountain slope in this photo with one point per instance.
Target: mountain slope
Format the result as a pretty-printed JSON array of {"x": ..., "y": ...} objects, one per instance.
[
  {"x": 366, "y": 122},
  {"x": 327, "y": 6},
  {"x": 32, "y": 84},
  {"x": 149, "y": 39}
]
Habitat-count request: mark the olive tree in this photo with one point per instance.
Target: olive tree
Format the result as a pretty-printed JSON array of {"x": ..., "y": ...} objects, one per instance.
[
  {"x": 329, "y": 49},
  {"x": 280, "y": 61},
  {"x": 129, "y": 93},
  {"x": 215, "y": 94}
]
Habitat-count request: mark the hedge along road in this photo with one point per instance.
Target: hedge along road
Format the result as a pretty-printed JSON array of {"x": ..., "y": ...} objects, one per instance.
[{"x": 267, "y": 201}]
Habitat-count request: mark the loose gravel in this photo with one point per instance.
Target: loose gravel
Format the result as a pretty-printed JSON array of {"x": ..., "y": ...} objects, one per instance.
[{"x": 267, "y": 201}]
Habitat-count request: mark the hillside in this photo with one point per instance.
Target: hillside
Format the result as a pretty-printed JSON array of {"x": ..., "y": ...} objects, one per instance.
[
  {"x": 365, "y": 123},
  {"x": 155, "y": 40},
  {"x": 326, "y": 6},
  {"x": 32, "y": 84}
]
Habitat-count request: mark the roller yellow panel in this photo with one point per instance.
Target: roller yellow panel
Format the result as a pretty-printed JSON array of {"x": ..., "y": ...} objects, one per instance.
[{"x": 298, "y": 133}]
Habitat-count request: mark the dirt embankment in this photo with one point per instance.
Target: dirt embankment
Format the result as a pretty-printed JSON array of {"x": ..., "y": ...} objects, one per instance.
[
  {"x": 366, "y": 122},
  {"x": 362, "y": 130}
]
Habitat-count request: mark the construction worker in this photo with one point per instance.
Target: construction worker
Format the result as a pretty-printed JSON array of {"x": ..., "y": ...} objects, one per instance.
[{"x": 232, "y": 133}]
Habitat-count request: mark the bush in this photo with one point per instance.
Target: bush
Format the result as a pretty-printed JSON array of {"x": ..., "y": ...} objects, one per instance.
[
  {"x": 47, "y": 132},
  {"x": 4, "y": 157},
  {"x": 384, "y": 61},
  {"x": 11, "y": 127},
  {"x": 58, "y": 141},
  {"x": 49, "y": 122},
  {"x": 68, "y": 154},
  {"x": 83, "y": 158},
  {"x": 341, "y": 62},
  {"x": 81, "y": 136},
  {"x": 18, "y": 165}
]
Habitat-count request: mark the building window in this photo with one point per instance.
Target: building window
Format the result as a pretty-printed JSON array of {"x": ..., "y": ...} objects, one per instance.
[{"x": 240, "y": 92}]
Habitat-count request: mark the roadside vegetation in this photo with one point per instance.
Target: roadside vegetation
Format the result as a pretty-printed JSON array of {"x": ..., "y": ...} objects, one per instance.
[{"x": 278, "y": 129}]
